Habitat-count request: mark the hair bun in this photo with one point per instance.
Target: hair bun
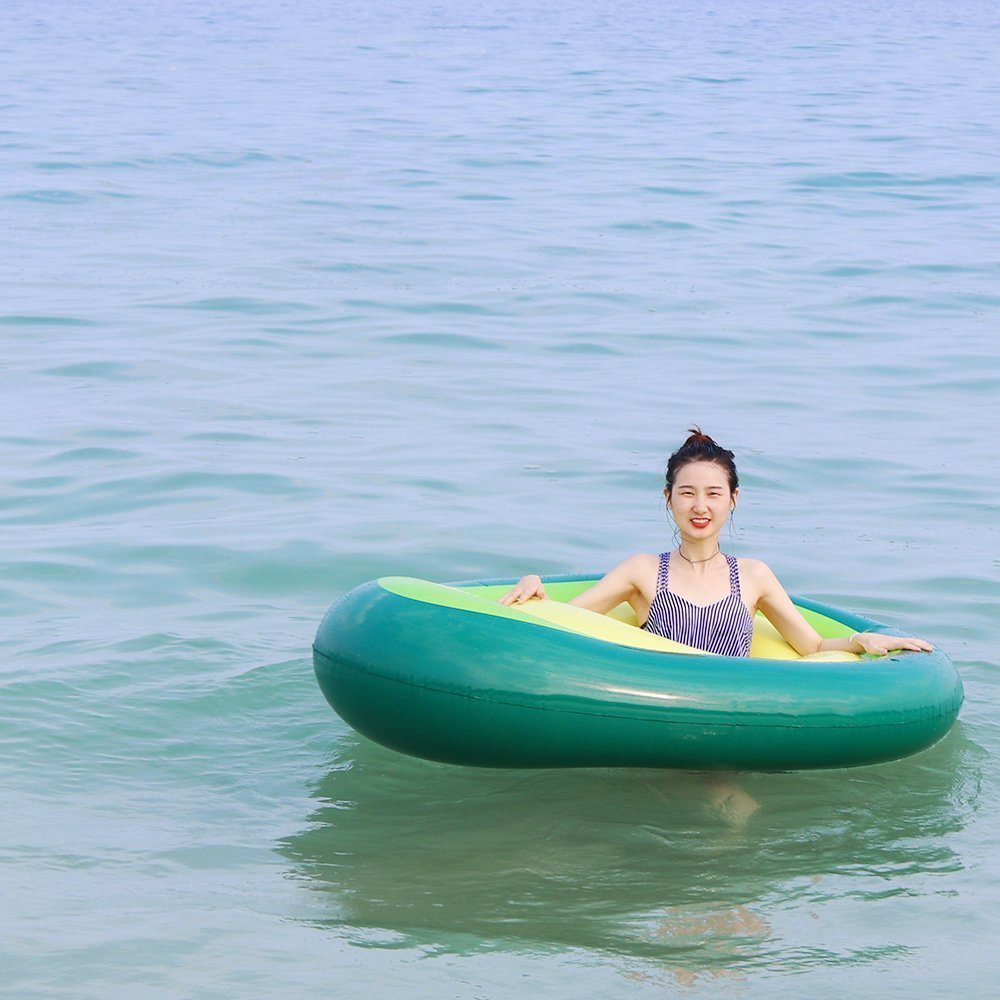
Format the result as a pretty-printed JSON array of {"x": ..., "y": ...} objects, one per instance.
[{"x": 698, "y": 436}]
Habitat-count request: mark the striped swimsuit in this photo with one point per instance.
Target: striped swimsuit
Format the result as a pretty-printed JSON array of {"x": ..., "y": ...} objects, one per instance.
[{"x": 725, "y": 627}]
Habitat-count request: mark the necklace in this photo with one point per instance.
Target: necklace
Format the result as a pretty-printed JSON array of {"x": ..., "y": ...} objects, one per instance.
[{"x": 693, "y": 561}]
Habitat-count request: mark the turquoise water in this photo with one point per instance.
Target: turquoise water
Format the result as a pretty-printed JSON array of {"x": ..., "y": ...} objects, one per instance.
[{"x": 296, "y": 295}]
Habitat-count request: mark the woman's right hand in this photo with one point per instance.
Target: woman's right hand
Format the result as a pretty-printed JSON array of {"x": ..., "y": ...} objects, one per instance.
[{"x": 524, "y": 590}]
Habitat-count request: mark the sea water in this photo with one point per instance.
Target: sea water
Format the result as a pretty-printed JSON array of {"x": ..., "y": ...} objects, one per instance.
[{"x": 298, "y": 294}]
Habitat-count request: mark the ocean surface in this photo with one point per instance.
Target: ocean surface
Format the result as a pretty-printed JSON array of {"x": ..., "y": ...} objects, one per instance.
[{"x": 298, "y": 294}]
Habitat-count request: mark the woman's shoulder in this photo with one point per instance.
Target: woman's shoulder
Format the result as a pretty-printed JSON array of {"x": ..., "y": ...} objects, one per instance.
[
  {"x": 757, "y": 576},
  {"x": 641, "y": 560},
  {"x": 754, "y": 568},
  {"x": 637, "y": 569}
]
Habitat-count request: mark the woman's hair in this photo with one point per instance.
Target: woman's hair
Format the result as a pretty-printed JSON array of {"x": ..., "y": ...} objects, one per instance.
[{"x": 701, "y": 448}]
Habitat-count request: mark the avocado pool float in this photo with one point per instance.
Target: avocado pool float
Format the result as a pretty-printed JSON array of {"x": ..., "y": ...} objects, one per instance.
[{"x": 448, "y": 674}]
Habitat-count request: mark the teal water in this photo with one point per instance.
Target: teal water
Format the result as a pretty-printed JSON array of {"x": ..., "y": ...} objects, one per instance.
[{"x": 295, "y": 295}]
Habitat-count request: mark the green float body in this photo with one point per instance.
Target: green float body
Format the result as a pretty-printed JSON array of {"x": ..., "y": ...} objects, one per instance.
[{"x": 453, "y": 676}]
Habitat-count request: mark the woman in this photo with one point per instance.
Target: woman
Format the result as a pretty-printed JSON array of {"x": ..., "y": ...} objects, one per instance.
[{"x": 696, "y": 594}]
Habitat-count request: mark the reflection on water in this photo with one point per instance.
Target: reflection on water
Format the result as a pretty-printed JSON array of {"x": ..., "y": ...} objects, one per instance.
[{"x": 644, "y": 864}]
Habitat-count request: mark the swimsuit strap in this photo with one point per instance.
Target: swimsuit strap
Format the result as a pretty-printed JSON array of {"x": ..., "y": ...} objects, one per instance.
[
  {"x": 664, "y": 573},
  {"x": 734, "y": 575}
]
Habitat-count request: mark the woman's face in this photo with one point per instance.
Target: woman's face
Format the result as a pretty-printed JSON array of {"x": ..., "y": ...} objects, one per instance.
[{"x": 701, "y": 500}]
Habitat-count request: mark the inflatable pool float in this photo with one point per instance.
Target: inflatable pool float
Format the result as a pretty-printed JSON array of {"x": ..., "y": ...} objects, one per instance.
[{"x": 448, "y": 674}]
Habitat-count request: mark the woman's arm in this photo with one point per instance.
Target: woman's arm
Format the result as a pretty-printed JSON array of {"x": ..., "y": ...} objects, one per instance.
[
  {"x": 802, "y": 637},
  {"x": 623, "y": 583}
]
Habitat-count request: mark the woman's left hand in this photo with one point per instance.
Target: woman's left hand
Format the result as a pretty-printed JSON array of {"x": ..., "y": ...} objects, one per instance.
[{"x": 878, "y": 644}]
